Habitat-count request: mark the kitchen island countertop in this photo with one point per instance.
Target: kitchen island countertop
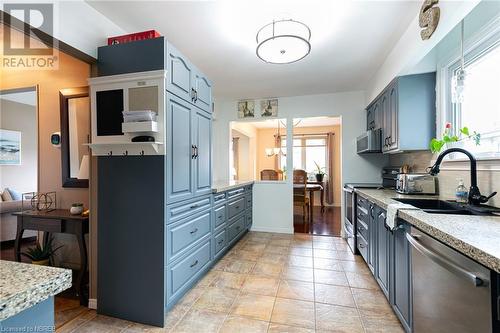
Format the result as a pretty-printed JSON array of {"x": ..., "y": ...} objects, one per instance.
[
  {"x": 221, "y": 186},
  {"x": 478, "y": 237}
]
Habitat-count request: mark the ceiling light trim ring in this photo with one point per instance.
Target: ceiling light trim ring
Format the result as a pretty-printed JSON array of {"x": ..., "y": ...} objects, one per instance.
[
  {"x": 281, "y": 36},
  {"x": 279, "y": 21}
]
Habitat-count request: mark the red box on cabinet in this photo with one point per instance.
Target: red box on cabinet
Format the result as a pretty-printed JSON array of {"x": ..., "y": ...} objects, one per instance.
[{"x": 133, "y": 37}]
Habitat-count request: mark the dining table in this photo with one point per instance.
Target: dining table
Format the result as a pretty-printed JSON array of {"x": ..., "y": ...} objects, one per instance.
[{"x": 311, "y": 187}]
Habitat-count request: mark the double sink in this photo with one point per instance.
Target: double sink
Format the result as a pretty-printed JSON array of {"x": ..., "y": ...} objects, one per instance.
[{"x": 435, "y": 206}]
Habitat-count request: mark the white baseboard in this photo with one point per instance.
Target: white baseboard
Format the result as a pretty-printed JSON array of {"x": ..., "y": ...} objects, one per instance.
[
  {"x": 93, "y": 303},
  {"x": 271, "y": 229}
]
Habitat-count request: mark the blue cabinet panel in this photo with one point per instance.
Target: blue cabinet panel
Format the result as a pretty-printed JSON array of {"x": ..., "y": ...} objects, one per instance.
[
  {"x": 383, "y": 246},
  {"x": 220, "y": 242},
  {"x": 237, "y": 227},
  {"x": 235, "y": 207},
  {"x": 187, "y": 208},
  {"x": 180, "y": 74},
  {"x": 219, "y": 216},
  {"x": 203, "y": 91},
  {"x": 202, "y": 134}
]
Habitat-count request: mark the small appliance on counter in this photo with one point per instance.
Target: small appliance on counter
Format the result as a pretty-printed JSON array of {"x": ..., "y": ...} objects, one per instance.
[{"x": 416, "y": 183}]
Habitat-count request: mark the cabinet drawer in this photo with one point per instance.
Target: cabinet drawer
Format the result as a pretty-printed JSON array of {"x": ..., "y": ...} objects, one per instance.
[
  {"x": 362, "y": 247},
  {"x": 249, "y": 219},
  {"x": 236, "y": 192},
  {"x": 363, "y": 203},
  {"x": 362, "y": 214},
  {"x": 182, "y": 234},
  {"x": 185, "y": 270},
  {"x": 220, "y": 241},
  {"x": 219, "y": 215},
  {"x": 362, "y": 228},
  {"x": 236, "y": 228},
  {"x": 184, "y": 209},
  {"x": 219, "y": 197},
  {"x": 235, "y": 207}
]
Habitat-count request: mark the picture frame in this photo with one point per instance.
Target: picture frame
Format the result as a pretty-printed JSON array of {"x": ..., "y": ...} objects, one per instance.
[
  {"x": 246, "y": 109},
  {"x": 269, "y": 108},
  {"x": 10, "y": 147}
]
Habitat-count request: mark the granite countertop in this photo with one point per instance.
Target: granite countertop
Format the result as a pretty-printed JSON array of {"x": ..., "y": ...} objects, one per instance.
[
  {"x": 24, "y": 285},
  {"x": 475, "y": 236},
  {"x": 221, "y": 186}
]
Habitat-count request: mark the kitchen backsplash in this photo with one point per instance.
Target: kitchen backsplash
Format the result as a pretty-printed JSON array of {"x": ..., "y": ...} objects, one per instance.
[{"x": 488, "y": 180}]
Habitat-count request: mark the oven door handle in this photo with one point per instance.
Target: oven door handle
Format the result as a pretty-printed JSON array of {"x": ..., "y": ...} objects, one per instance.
[{"x": 443, "y": 262}]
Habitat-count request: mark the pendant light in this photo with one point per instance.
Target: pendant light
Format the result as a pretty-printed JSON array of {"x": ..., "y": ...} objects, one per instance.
[
  {"x": 458, "y": 83},
  {"x": 283, "y": 42},
  {"x": 276, "y": 151}
]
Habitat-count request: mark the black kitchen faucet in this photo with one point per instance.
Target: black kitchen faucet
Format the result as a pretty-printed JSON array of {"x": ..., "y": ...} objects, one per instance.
[{"x": 475, "y": 196}]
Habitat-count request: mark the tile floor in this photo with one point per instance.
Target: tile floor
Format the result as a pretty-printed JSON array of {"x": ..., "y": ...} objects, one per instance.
[{"x": 273, "y": 283}]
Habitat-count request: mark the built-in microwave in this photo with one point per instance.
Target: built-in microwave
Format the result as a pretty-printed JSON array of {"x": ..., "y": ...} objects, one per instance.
[{"x": 369, "y": 142}]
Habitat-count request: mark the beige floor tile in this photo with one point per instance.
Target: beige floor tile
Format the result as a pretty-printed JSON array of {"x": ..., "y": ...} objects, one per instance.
[
  {"x": 92, "y": 327},
  {"x": 234, "y": 324},
  {"x": 140, "y": 328},
  {"x": 336, "y": 295},
  {"x": 298, "y": 273},
  {"x": 371, "y": 300},
  {"x": 273, "y": 258},
  {"x": 197, "y": 320},
  {"x": 175, "y": 315},
  {"x": 254, "y": 247},
  {"x": 328, "y": 254},
  {"x": 253, "y": 306},
  {"x": 239, "y": 266},
  {"x": 229, "y": 280},
  {"x": 266, "y": 269},
  {"x": 282, "y": 236},
  {"x": 328, "y": 264},
  {"x": 192, "y": 295},
  {"x": 293, "y": 312},
  {"x": 345, "y": 255},
  {"x": 299, "y": 261},
  {"x": 301, "y": 251},
  {"x": 301, "y": 243},
  {"x": 217, "y": 299},
  {"x": 223, "y": 263},
  {"x": 261, "y": 240},
  {"x": 330, "y": 277},
  {"x": 296, "y": 290},
  {"x": 246, "y": 255},
  {"x": 355, "y": 267},
  {"x": 342, "y": 247},
  {"x": 280, "y": 242},
  {"x": 380, "y": 322},
  {"x": 210, "y": 277},
  {"x": 366, "y": 281},
  {"x": 276, "y": 249},
  {"x": 279, "y": 328},
  {"x": 324, "y": 246},
  {"x": 260, "y": 234},
  {"x": 302, "y": 236},
  {"x": 260, "y": 285},
  {"x": 337, "y": 319}
]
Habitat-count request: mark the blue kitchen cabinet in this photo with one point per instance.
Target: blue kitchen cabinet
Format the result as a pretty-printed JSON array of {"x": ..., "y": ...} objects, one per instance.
[
  {"x": 372, "y": 238},
  {"x": 408, "y": 102},
  {"x": 400, "y": 275},
  {"x": 201, "y": 130},
  {"x": 383, "y": 248},
  {"x": 179, "y": 74},
  {"x": 202, "y": 91}
]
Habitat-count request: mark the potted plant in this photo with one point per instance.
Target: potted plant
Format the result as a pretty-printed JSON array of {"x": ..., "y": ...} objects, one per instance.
[
  {"x": 39, "y": 255},
  {"x": 449, "y": 140},
  {"x": 320, "y": 173}
]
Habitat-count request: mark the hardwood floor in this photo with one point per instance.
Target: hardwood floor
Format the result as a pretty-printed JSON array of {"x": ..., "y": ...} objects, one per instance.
[
  {"x": 67, "y": 304},
  {"x": 325, "y": 223}
]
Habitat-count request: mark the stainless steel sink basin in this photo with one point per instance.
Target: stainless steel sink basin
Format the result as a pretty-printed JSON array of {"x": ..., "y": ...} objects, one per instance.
[{"x": 435, "y": 206}]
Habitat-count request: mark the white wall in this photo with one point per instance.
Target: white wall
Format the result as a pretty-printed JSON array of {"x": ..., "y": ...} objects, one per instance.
[
  {"x": 273, "y": 206},
  {"x": 23, "y": 118},
  {"x": 411, "y": 49}
]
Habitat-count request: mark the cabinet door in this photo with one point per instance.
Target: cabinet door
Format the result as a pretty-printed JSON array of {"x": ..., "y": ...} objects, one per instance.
[
  {"x": 203, "y": 92},
  {"x": 401, "y": 275},
  {"x": 393, "y": 110},
  {"x": 179, "y": 150},
  {"x": 386, "y": 124},
  {"x": 372, "y": 235},
  {"x": 202, "y": 169},
  {"x": 180, "y": 74},
  {"x": 383, "y": 233},
  {"x": 370, "y": 117}
]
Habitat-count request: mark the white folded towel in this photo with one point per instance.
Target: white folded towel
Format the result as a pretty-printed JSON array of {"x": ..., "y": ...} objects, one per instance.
[{"x": 392, "y": 213}]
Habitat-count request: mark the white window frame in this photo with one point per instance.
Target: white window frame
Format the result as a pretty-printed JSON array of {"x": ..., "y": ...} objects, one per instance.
[
  {"x": 303, "y": 138},
  {"x": 474, "y": 47}
]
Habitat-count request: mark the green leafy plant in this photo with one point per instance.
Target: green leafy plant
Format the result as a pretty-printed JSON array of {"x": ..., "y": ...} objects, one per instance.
[
  {"x": 37, "y": 253},
  {"x": 436, "y": 145},
  {"x": 319, "y": 170}
]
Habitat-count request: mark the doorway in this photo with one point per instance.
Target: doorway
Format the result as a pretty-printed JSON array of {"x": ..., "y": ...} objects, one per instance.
[{"x": 317, "y": 175}]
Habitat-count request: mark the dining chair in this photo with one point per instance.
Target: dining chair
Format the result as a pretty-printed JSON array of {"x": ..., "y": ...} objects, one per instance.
[
  {"x": 300, "y": 192},
  {"x": 269, "y": 174}
]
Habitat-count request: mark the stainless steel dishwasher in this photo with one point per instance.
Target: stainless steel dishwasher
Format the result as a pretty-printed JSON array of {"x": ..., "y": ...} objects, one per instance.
[{"x": 451, "y": 293}]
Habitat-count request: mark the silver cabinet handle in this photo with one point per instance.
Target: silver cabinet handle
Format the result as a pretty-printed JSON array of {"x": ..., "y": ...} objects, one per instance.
[
  {"x": 194, "y": 231},
  {"x": 194, "y": 206},
  {"x": 220, "y": 242},
  {"x": 194, "y": 264},
  {"x": 443, "y": 262}
]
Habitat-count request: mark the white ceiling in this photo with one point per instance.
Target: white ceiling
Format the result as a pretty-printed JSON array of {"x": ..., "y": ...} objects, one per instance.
[{"x": 350, "y": 40}]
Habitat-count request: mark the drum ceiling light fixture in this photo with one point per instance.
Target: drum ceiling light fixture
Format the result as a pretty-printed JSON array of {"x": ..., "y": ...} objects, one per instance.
[{"x": 283, "y": 42}]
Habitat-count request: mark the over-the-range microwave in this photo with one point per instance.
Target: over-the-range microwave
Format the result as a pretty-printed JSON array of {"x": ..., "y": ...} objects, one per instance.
[{"x": 369, "y": 142}]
